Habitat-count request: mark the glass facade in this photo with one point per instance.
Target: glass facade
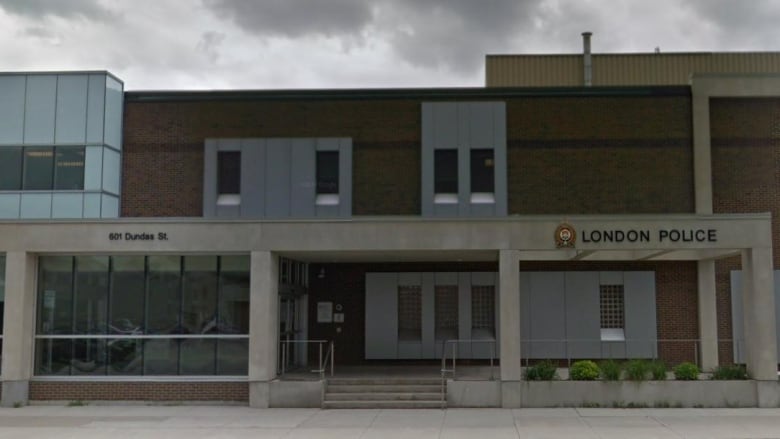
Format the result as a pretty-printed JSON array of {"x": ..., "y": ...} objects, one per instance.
[
  {"x": 42, "y": 168},
  {"x": 142, "y": 315}
]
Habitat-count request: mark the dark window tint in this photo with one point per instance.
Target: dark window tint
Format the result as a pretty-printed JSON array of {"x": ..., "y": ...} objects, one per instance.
[
  {"x": 91, "y": 294},
  {"x": 482, "y": 170},
  {"x": 38, "y": 168},
  {"x": 69, "y": 168},
  {"x": 126, "y": 315},
  {"x": 163, "y": 298},
  {"x": 445, "y": 171},
  {"x": 55, "y": 299},
  {"x": 10, "y": 168},
  {"x": 327, "y": 172},
  {"x": 229, "y": 172}
]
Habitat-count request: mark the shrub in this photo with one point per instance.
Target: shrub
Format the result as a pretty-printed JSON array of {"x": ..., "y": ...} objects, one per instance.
[
  {"x": 541, "y": 371},
  {"x": 584, "y": 370},
  {"x": 610, "y": 370},
  {"x": 658, "y": 370},
  {"x": 730, "y": 372},
  {"x": 686, "y": 371},
  {"x": 637, "y": 370}
]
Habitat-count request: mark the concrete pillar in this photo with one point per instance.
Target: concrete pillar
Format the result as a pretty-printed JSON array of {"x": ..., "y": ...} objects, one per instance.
[
  {"x": 263, "y": 326},
  {"x": 758, "y": 303},
  {"x": 18, "y": 327},
  {"x": 509, "y": 290},
  {"x": 708, "y": 316}
]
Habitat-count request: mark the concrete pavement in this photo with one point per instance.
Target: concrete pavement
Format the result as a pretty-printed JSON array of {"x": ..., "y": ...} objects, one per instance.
[{"x": 209, "y": 422}]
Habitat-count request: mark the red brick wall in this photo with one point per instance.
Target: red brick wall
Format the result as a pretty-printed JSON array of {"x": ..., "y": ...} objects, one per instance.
[{"x": 138, "y": 391}]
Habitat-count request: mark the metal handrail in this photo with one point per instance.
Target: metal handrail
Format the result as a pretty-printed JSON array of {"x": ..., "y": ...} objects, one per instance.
[
  {"x": 285, "y": 353},
  {"x": 329, "y": 358},
  {"x": 455, "y": 343}
]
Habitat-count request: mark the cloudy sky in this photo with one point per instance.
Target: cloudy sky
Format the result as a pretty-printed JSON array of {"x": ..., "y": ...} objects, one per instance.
[{"x": 255, "y": 44}]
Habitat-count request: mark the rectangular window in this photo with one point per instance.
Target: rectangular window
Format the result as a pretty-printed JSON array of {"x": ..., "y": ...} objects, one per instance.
[
  {"x": 38, "y": 168},
  {"x": 446, "y": 312},
  {"x": 612, "y": 306},
  {"x": 445, "y": 171},
  {"x": 410, "y": 313},
  {"x": 10, "y": 168},
  {"x": 327, "y": 172},
  {"x": 229, "y": 172},
  {"x": 482, "y": 180},
  {"x": 483, "y": 311},
  {"x": 69, "y": 168}
]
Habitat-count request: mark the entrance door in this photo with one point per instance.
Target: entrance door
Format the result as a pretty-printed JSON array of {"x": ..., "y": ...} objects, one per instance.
[{"x": 293, "y": 295}]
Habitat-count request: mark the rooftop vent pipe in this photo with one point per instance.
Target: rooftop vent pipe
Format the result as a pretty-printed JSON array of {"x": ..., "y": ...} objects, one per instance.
[{"x": 586, "y": 58}]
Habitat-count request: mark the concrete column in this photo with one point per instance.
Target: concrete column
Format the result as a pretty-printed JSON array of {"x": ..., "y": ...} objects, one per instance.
[
  {"x": 18, "y": 327},
  {"x": 509, "y": 290},
  {"x": 263, "y": 326},
  {"x": 758, "y": 303},
  {"x": 708, "y": 316}
]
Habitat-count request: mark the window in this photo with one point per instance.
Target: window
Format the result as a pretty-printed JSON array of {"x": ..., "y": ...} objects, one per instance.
[
  {"x": 612, "y": 312},
  {"x": 410, "y": 313},
  {"x": 483, "y": 311},
  {"x": 445, "y": 175},
  {"x": 10, "y": 168},
  {"x": 38, "y": 168},
  {"x": 327, "y": 178},
  {"x": 229, "y": 177},
  {"x": 69, "y": 168},
  {"x": 482, "y": 180},
  {"x": 42, "y": 168},
  {"x": 446, "y": 312}
]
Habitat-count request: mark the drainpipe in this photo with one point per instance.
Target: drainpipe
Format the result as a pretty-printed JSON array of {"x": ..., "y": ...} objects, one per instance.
[{"x": 586, "y": 58}]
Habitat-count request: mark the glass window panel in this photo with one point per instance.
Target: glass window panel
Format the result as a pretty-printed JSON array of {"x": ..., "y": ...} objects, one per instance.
[
  {"x": 483, "y": 310},
  {"x": 38, "y": 168},
  {"x": 89, "y": 357},
  {"x": 125, "y": 357},
  {"x": 232, "y": 357},
  {"x": 69, "y": 168},
  {"x": 10, "y": 168},
  {"x": 482, "y": 170},
  {"x": 445, "y": 171},
  {"x": 327, "y": 172},
  {"x": 234, "y": 295},
  {"x": 91, "y": 294},
  {"x": 52, "y": 357},
  {"x": 199, "y": 295},
  {"x": 161, "y": 357},
  {"x": 55, "y": 295},
  {"x": 228, "y": 172},
  {"x": 409, "y": 313},
  {"x": 127, "y": 295},
  {"x": 163, "y": 301},
  {"x": 2, "y": 294},
  {"x": 197, "y": 357}
]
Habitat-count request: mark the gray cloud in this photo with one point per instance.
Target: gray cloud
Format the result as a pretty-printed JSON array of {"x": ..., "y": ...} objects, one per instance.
[
  {"x": 90, "y": 9},
  {"x": 209, "y": 44}
]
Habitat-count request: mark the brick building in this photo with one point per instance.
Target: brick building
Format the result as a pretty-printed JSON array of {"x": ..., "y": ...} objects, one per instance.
[{"x": 201, "y": 254}]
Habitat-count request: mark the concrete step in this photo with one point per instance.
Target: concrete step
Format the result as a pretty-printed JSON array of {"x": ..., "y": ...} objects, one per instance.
[
  {"x": 385, "y": 381},
  {"x": 381, "y": 404},
  {"x": 382, "y": 388},
  {"x": 383, "y": 396}
]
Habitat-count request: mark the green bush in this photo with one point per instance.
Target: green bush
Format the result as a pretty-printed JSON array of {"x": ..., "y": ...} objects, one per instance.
[
  {"x": 686, "y": 372},
  {"x": 610, "y": 370},
  {"x": 730, "y": 372},
  {"x": 658, "y": 370},
  {"x": 637, "y": 370},
  {"x": 584, "y": 370},
  {"x": 541, "y": 371}
]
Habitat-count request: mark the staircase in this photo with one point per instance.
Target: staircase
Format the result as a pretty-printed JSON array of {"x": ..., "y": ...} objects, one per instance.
[{"x": 383, "y": 393}]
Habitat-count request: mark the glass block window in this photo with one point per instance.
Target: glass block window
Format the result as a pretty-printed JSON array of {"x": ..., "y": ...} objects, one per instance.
[
  {"x": 483, "y": 307},
  {"x": 446, "y": 311},
  {"x": 409, "y": 312},
  {"x": 612, "y": 307}
]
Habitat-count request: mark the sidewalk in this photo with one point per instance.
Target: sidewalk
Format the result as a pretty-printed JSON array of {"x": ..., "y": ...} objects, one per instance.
[{"x": 207, "y": 422}]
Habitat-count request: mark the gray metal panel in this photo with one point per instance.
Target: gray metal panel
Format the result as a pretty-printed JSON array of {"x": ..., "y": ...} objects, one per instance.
[
  {"x": 449, "y": 278},
  {"x": 410, "y": 279},
  {"x": 481, "y": 134},
  {"x": 428, "y": 315},
  {"x": 446, "y": 210},
  {"x": 548, "y": 311},
  {"x": 96, "y": 104},
  {"x": 39, "y": 109},
  {"x": 381, "y": 335},
  {"x": 109, "y": 206},
  {"x": 737, "y": 321},
  {"x": 91, "y": 205},
  {"x": 93, "y": 168},
  {"x": 464, "y": 159},
  {"x": 277, "y": 178},
  {"x": 227, "y": 211},
  {"x": 484, "y": 278},
  {"x": 445, "y": 125},
  {"x": 114, "y": 108},
  {"x": 345, "y": 177},
  {"x": 67, "y": 205},
  {"x": 35, "y": 206},
  {"x": 480, "y": 209},
  {"x": 525, "y": 313},
  {"x": 499, "y": 158},
  {"x": 409, "y": 350},
  {"x": 426, "y": 162},
  {"x": 464, "y": 314},
  {"x": 328, "y": 144},
  {"x": 583, "y": 326},
  {"x": 611, "y": 278},
  {"x": 71, "y": 120},
  {"x": 303, "y": 178},
  {"x": 9, "y": 206},
  {"x": 252, "y": 178},
  {"x": 12, "y": 90},
  {"x": 210, "y": 178},
  {"x": 640, "y": 321}
]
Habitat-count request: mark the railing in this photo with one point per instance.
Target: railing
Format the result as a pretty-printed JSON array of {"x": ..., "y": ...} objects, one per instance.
[
  {"x": 455, "y": 344},
  {"x": 329, "y": 358}
]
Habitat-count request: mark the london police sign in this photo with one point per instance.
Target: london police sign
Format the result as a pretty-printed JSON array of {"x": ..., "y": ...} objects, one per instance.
[{"x": 565, "y": 236}]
